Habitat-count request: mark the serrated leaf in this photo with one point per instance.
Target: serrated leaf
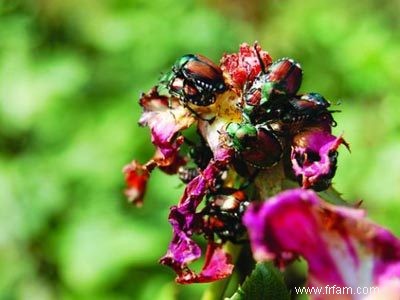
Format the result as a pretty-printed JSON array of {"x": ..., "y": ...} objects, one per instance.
[
  {"x": 264, "y": 283},
  {"x": 330, "y": 195},
  {"x": 333, "y": 196}
]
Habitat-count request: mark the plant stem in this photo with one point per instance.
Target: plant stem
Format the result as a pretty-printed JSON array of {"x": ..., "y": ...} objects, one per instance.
[{"x": 269, "y": 182}]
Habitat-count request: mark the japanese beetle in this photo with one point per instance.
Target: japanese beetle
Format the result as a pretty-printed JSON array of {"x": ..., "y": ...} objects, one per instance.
[
  {"x": 303, "y": 110},
  {"x": 271, "y": 89},
  {"x": 200, "y": 154},
  {"x": 194, "y": 79},
  {"x": 284, "y": 77},
  {"x": 256, "y": 145},
  {"x": 311, "y": 103},
  {"x": 187, "y": 174},
  {"x": 223, "y": 215}
]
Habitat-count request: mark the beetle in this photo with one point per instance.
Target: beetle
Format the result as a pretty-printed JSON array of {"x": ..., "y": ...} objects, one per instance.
[
  {"x": 271, "y": 89},
  {"x": 257, "y": 145},
  {"x": 302, "y": 110},
  {"x": 223, "y": 215},
  {"x": 284, "y": 77},
  {"x": 194, "y": 79},
  {"x": 187, "y": 174},
  {"x": 310, "y": 103},
  {"x": 201, "y": 154},
  {"x": 313, "y": 107}
]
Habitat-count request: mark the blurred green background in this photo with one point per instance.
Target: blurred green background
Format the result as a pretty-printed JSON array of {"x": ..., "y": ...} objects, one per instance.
[{"x": 71, "y": 73}]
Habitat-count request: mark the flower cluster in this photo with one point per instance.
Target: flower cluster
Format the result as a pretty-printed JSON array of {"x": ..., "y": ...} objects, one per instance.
[{"x": 254, "y": 134}]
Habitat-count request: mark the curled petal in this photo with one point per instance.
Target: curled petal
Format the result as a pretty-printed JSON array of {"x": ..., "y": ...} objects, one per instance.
[
  {"x": 136, "y": 177},
  {"x": 341, "y": 247},
  {"x": 245, "y": 65},
  {"x": 185, "y": 221},
  {"x": 314, "y": 157},
  {"x": 170, "y": 164},
  {"x": 166, "y": 118},
  {"x": 217, "y": 266},
  {"x": 182, "y": 250}
]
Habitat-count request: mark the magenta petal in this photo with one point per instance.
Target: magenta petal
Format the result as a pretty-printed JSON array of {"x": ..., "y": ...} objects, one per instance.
[
  {"x": 314, "y": 157},
  {"x": 217, "y": 266},
  {"x": 164, "y": 122},
  {"x": 341, "y": 247},
  {"x": 185, "y": 221},
  {"x": 182, "y": 249}
]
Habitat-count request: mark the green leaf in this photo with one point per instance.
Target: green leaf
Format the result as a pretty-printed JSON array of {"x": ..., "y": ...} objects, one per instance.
[
  {"x": 334, "y": 197},
  {"x": 265, "y": 282}
]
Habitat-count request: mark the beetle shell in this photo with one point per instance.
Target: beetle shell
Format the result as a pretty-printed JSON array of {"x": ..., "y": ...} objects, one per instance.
[
  {"x": 264, "y": 150},
  {"x": 239, "y": 134},
  {"x": 308, "y": 109},
  {"x": 303, "y": 110},
  {"x": 201, "y": 154},
  {"x": 223, "y": 212},
  {"x": 284, "y": 77},
  {"x": 310, "y": 102},
  {"x": 195, "y": 79},
  {"x": 204, "y": 73},
  {"x": 269, "y": 93},
  {"x": 256, "y": 145}
]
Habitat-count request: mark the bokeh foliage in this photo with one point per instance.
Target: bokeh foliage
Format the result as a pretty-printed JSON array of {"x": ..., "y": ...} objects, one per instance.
[{"x": 71, "y": 73}]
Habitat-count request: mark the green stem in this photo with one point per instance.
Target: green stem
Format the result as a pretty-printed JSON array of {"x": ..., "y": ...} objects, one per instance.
[{"x": 270, "y": 182}]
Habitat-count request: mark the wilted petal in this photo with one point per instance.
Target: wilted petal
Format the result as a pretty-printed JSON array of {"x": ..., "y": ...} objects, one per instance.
[
  {"x": 184, "y": 219},
  {"x": 164, "y": 122},
  {"x": 171, "y": 163},
  {"x": 314, "y": 157},
  {"x": 341, "y": 247},
  {"x": 182, "y": 249},
  {"x": 136, "y": 177},
  {"x": 217, "y": 266},
  {"x": 244, "y": 66}
]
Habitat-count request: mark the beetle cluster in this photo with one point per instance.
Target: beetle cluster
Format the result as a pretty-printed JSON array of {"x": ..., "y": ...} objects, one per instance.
[
  {"x": 274, "y": 113},
  {"x": 224, "y": 208},
  {"x": 273, "y": 117}
]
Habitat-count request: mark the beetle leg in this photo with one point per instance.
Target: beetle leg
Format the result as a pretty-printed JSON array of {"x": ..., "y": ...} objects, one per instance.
[
  {"x": 193, "y": 112},
  {"x": 172, "y": 114},
  {"x": 169, "y": 103},
  {"x": 262, "y": 65}
]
